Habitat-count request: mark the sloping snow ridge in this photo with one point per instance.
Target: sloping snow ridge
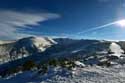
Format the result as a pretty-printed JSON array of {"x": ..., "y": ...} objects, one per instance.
[
  {"x": 41, "y": 43},
  {"x": 116, "y": 49}
]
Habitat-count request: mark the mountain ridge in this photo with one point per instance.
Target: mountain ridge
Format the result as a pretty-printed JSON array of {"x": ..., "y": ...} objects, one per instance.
[
  {"x": 24, "y": 47},
  {"x": 67, "y": 58}
]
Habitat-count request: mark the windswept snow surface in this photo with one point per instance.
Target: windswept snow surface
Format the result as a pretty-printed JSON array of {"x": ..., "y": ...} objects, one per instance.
[
  {"x": 93, "y": 74},
  {"x": 116, "y": 49}
]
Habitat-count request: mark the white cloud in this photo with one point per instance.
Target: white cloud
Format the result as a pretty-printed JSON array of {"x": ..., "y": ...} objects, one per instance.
[{"x": 12, "y": 21}]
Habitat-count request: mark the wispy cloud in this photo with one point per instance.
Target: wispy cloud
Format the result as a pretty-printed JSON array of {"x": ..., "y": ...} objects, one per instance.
[{"x": 12, "y": 21}]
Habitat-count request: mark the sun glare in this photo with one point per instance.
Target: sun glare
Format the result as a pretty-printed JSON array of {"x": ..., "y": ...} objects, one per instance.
[{"x": 121, "y": 23}]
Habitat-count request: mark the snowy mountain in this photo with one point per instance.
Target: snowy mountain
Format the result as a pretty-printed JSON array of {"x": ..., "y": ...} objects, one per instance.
[
  {"x": 62, "y": 60},
  {"x": 47, "y": 48},
  {"x": 24, "y": 47}
]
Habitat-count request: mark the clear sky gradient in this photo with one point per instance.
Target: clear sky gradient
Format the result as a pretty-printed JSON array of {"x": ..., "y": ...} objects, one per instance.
[{"x": 61, "y": 18}]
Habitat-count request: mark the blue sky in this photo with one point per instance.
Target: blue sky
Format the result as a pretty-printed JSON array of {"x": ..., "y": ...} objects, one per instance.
[{"x": 61, "y": 18}]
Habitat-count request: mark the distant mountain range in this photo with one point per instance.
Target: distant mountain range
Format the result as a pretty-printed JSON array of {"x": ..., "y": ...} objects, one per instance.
[{"x": 56, "y": 48}]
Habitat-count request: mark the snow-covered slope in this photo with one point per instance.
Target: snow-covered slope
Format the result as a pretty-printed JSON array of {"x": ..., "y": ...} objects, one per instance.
[
  {"x": 83, "y": 52},
  {"x": 116, "y": 49},
  {"x": 93, "y": 74},
  {"x": 41, "y": 43},
  {"x": 24, "y": 47}
]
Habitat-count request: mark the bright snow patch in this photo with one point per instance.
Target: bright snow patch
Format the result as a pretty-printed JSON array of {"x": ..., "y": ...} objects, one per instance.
[
  {"x": 116, "y": 49},
  {"x": 78, "y": 63},
  {"x": 41, "y": 43}
]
